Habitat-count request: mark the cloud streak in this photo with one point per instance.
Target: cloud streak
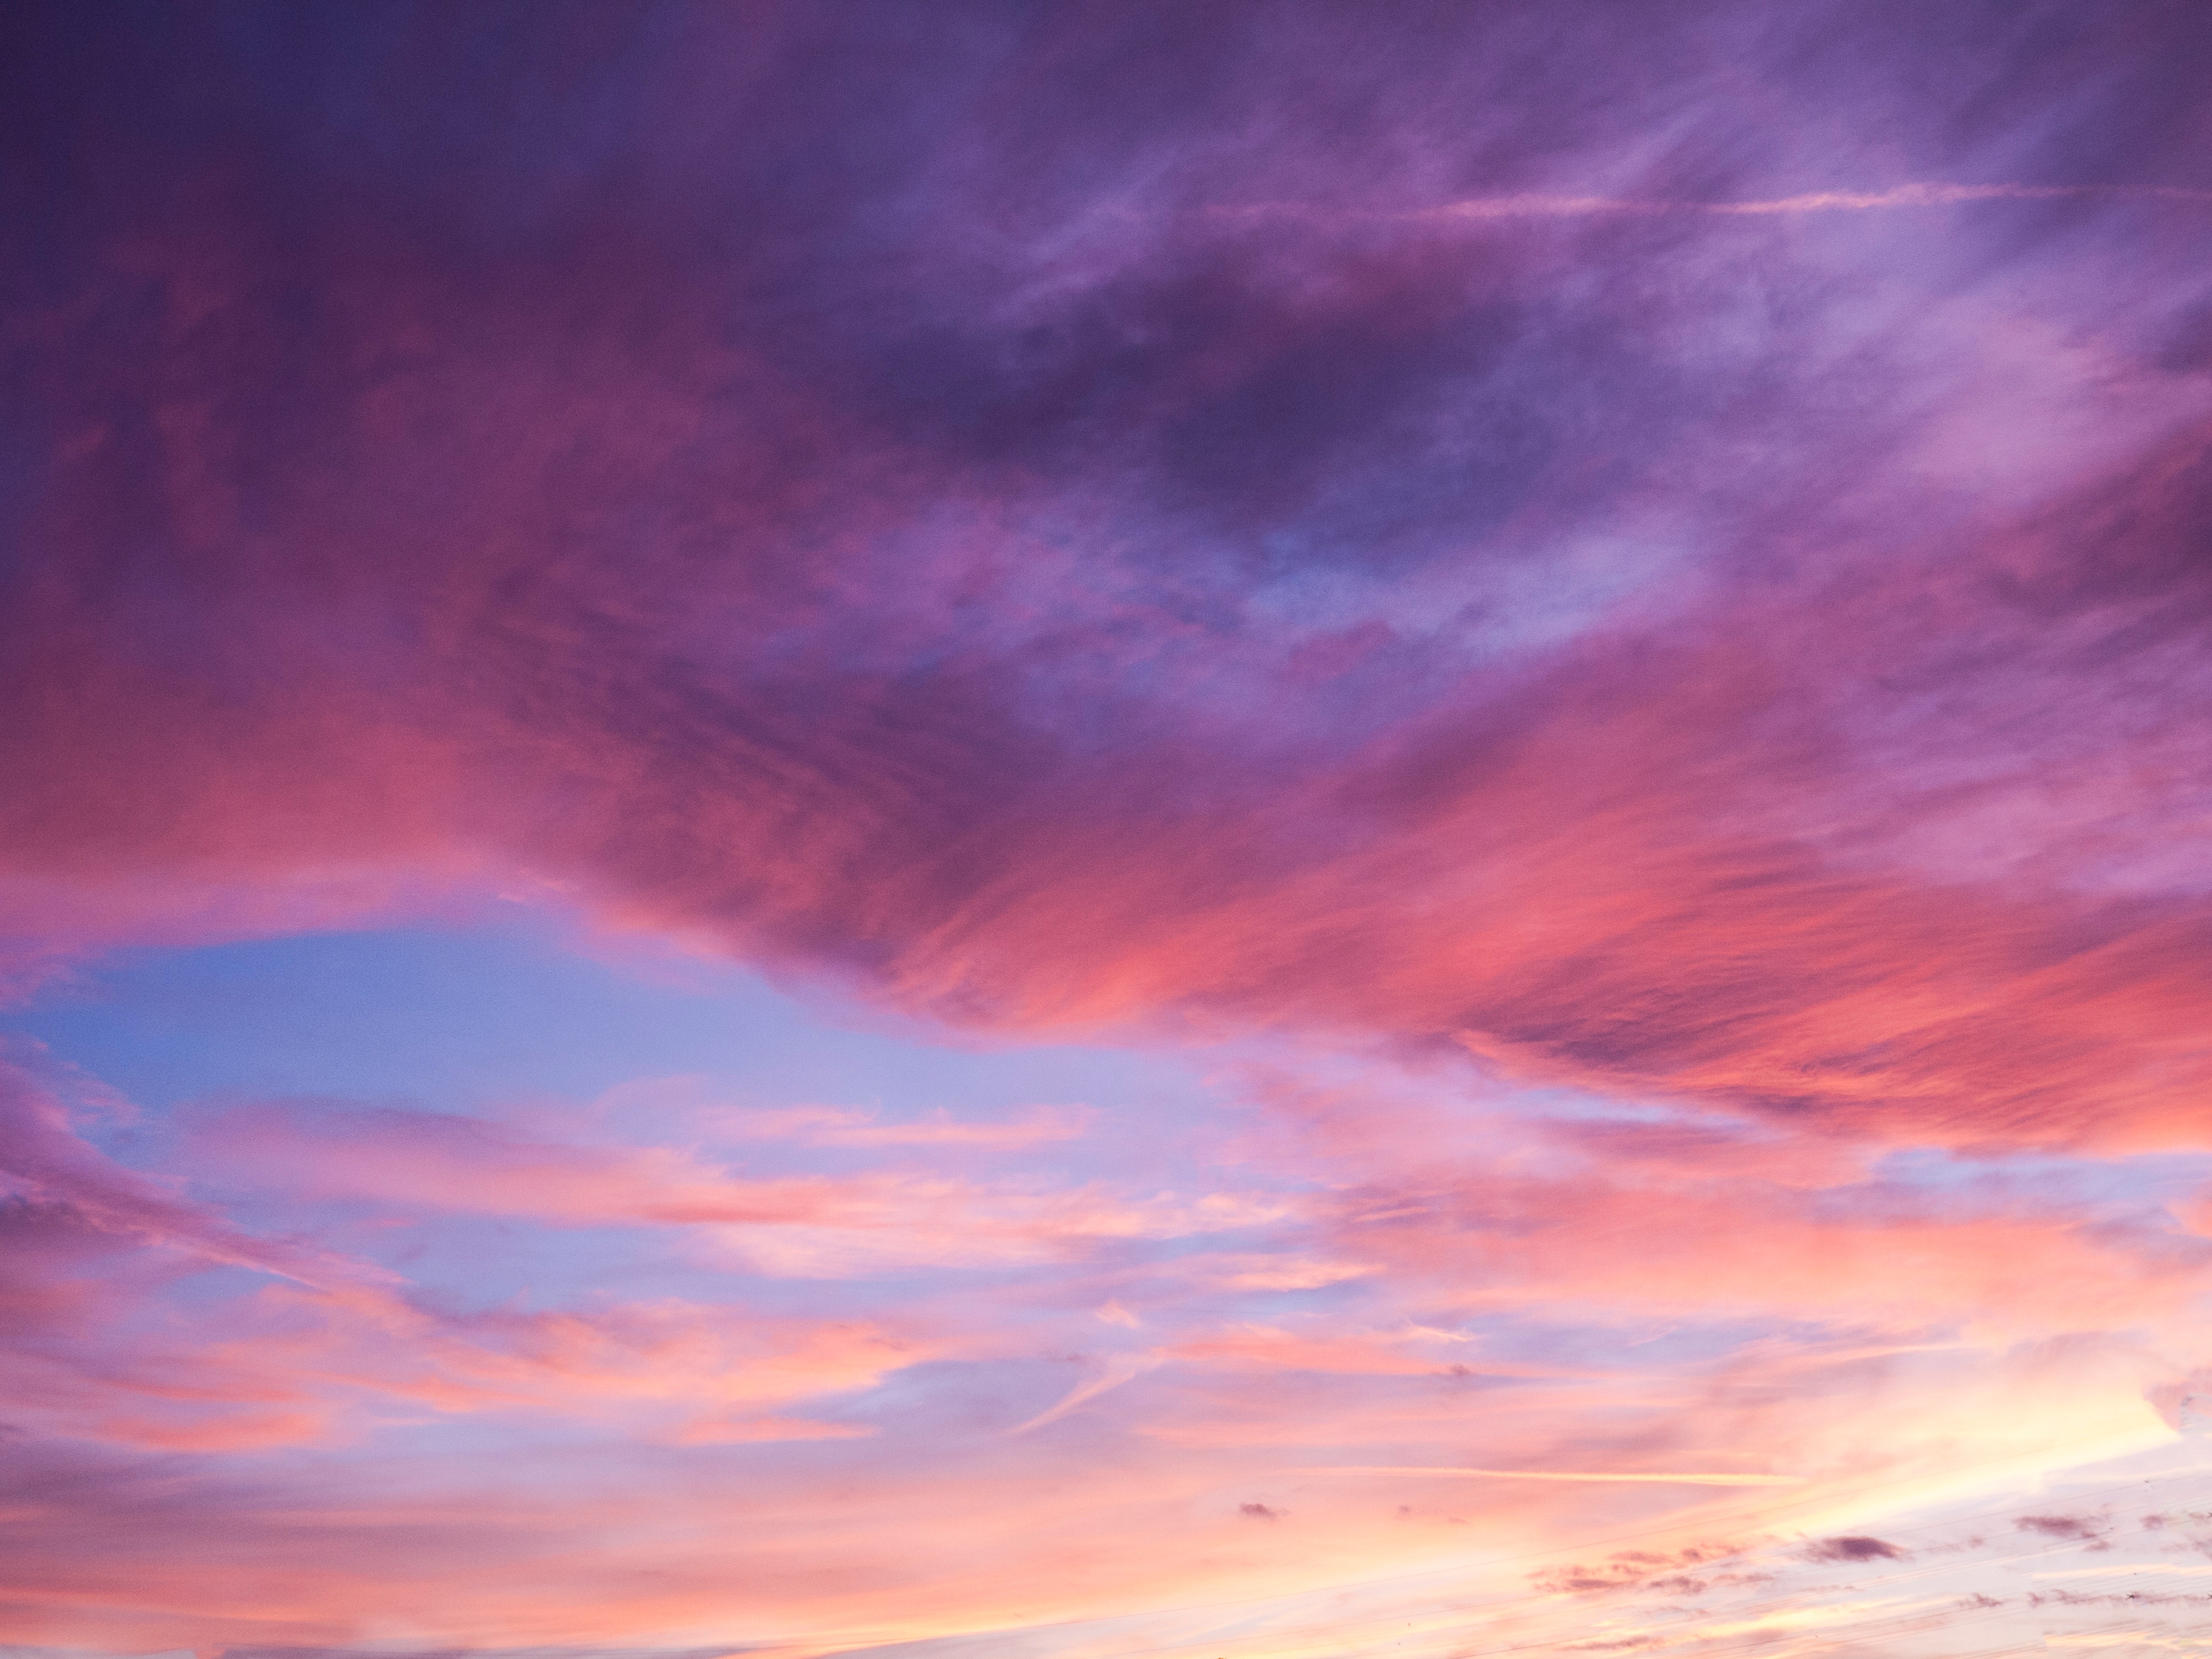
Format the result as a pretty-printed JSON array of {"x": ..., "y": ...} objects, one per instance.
[{"x": 1829, "y": 200}]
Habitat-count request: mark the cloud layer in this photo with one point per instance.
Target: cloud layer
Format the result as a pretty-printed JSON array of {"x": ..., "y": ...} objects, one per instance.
[{"x": 1604, "y": 605}]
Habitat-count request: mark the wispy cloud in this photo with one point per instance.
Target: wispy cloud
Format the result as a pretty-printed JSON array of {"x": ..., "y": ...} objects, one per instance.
[
  {"x": 1665, "y": 1479},
  {"x": 833, "y": 1126},
  {"x": 1538, "y": 205},
  {"x": 1122, "y": 1368}
]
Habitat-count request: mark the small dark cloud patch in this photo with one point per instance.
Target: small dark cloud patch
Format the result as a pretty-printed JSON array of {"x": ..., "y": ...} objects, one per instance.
[
  {"x": 1855, "y": 1549},
  {"x": 1259, "y": 1512},
  {"x": 2056, "y": 1525},
  {"x": 1581, "y": 1582}
]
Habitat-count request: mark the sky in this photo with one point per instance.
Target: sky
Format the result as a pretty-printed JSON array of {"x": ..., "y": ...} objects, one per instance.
[{"x": 1021, "y": 831}]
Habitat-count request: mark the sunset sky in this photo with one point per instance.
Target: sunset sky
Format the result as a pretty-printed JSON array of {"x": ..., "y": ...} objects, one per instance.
[{"x": 1013, "y": 830}]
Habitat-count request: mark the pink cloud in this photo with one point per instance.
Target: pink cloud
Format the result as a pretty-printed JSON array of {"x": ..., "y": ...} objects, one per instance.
[
  {"x": 1822, "y": 846},
  {"x": 833, "y": 1126},
  {"x": 324, "y": 1343},
  {"x": 782, "y": 1223}
]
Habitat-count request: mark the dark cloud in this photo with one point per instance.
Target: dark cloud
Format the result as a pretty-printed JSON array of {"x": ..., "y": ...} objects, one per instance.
[
  {"x": 778, "y": 504},
  {"x": 2059, "y": 1526},
  {"x": 1854, "y": 1549}
]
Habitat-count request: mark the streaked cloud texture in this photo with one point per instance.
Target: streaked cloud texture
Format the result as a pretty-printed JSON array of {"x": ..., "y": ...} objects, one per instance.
[{"x": 1239, "y": 831}]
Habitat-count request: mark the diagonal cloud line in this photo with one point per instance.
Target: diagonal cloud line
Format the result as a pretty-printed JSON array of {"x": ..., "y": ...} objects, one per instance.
[
  {"x": 1533, "y": 205},
  {"x": 1118, "y": 1372}
]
